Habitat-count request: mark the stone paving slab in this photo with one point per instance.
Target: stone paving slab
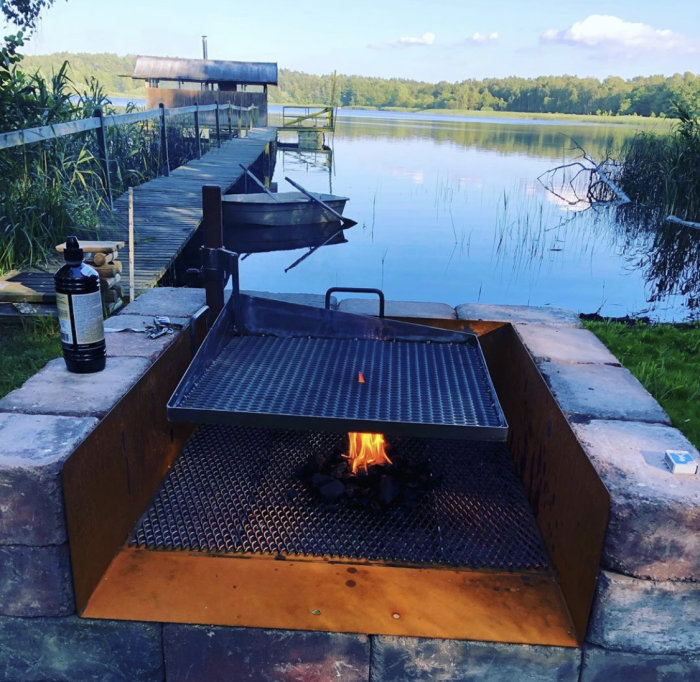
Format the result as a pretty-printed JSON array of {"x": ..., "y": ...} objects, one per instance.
[
  {"x": 398, "y": 659},
  {"x": 565, "y": 345},
  {"x": 645, "y": 615},
  {"x": 219, "y": 654},
  {"x": 601, "y": 665},
  {"x": 125, "y": 341},
  {"x": 601, "y": 392},
  {"x": 73, "y": 649},
  {"x": 170, "y": 301},
  {"x": 414, "y": 309},
  {"x": 654, "y": 527},
  {"x": 128, "y": 321},
  {"x": 55, "y": 390},
  {"x": 33, "y": 449},
  {"x": 35, "y": 581},
  {"x": 314, "y": 300},
  {"x": 519, "y": 314}
]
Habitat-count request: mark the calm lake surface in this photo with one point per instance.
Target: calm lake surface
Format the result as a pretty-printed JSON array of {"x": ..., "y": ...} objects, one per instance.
[{"x": 449, "y": 209}]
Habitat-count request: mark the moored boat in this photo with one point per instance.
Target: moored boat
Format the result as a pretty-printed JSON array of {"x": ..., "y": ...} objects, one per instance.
[
  {"x": 251, "y": 238},
  {"x": 282, "y": 208}
]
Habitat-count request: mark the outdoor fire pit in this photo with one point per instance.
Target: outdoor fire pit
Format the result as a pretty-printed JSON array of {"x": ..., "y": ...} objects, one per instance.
[{"x": 461, "y": 527}]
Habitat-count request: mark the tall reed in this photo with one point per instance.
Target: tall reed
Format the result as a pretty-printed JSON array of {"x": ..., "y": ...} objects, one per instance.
[
  {"x": 663, "y": 171},
  {"x": 48, "y": 189}
]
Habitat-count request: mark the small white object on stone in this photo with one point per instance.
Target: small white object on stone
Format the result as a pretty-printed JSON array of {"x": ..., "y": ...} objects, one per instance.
[{"x": 681, "y": 462}]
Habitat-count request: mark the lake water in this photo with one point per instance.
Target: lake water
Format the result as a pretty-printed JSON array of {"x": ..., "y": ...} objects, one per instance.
[{"x": 449, "y": 209}]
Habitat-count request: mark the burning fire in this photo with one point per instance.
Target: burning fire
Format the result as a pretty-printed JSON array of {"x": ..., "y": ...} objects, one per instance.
[{"x": 365, "y": 450}]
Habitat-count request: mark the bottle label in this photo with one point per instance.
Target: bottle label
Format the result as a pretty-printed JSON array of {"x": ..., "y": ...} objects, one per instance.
[{"x": 87, "y": 317}]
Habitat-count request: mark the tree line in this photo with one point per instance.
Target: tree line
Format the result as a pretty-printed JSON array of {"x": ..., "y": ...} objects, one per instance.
[{"x": 642, "y": 96}]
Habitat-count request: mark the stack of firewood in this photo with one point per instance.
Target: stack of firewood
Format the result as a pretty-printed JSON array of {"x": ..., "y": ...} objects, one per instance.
[
  {"x": 104, "y": 257},
  {"x": 109, "y": 268}
]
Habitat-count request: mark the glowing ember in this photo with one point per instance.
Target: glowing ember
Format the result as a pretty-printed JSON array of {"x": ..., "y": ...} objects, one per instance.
[
  {"x": 360, "y": 378},
  {"x": 366, "y": 450}
]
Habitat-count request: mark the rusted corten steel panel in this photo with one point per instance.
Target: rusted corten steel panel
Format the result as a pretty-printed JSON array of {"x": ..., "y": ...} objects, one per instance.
[
  {"x": 333, "y": 595},
  {"x": 205, "y": 71},
  {"x": 113, "y": 474},
  {"x": 566, "y": 495}
]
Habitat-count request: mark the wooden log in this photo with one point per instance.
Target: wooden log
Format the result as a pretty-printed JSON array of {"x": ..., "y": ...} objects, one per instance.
[
  {"x": 104, "y": 258},
  {"x": 109, "y": 270}
]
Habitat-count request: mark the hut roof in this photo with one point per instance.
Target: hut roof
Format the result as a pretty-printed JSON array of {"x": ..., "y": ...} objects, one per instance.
[{"x": 205, "y": 70}]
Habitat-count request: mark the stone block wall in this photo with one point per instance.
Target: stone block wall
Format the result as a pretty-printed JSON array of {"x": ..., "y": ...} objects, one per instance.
[
  {"x": 645, "y": 623},
  {"x": 41, "y": 424}
]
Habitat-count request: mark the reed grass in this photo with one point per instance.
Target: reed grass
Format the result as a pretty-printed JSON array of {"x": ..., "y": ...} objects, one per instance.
[
  {"x": 54, "y": 188},
  {"x": 663, "y": 171}
]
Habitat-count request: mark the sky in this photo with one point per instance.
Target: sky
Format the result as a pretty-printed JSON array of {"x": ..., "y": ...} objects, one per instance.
[{"x": 449, "y": 40}]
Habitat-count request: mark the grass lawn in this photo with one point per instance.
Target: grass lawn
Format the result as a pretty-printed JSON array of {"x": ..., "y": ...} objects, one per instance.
[
  {"x": 26, "y": 347},
  {"x": 666, "y": 359}
]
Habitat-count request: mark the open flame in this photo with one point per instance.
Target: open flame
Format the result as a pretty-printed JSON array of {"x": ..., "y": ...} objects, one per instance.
[{"x": 366, "y": 450}]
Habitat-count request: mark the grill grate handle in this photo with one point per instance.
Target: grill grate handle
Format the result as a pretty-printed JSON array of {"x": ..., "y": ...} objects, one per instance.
[{"x": 356, "y": 290}]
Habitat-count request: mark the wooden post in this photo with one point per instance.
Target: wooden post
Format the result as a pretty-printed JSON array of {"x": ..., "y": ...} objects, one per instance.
[
  {"x": 164, "y": 142},
  {"x": 218, "y": 127},
  {"x": 213, "y": 239},
  {"x": 239, "y": 121},
  {"x": 196, "y": 130},
  {"x": 132, "y": 288},
  {"x": 230, "y": 128},
  {"x": 104, "y": 157}
]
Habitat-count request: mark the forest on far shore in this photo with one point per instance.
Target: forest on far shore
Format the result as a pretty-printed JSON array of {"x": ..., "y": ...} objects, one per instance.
[{"x": 643, "y": 95}]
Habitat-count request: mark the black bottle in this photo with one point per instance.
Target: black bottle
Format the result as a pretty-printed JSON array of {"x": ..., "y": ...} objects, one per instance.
[{"x": 80, "y": 312}]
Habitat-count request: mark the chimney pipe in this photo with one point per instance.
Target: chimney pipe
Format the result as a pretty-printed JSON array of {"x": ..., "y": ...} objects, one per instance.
[{"x": 204, "y": 48}]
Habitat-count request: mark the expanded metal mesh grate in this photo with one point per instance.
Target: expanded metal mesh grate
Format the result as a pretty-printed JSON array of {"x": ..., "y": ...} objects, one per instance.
[
  {"x": 237, "y": 489},
  {"x": 427, "y": 385}
]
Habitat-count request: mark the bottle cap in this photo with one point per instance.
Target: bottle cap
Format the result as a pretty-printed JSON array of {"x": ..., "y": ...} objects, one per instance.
[{"x": 73, "y": 253}]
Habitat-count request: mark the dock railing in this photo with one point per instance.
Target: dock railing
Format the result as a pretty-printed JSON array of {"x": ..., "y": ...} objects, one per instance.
[
  {"x": 321, "y": 119},
  {"x": 237, "y": 121}
]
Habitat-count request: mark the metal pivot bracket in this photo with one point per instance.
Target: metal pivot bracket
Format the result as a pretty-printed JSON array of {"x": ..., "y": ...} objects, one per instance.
[{"x": 218, "y": 263}]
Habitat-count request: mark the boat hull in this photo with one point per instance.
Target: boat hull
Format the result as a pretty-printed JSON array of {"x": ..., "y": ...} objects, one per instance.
[
  {"x": 287, "y": 208},
  {"x": 250, "y": 238}
]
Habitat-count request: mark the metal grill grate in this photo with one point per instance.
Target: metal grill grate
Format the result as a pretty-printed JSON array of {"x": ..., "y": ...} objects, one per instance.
[
  {"x": 237, "y": 489},
  {"x": 427, "y": 387}
]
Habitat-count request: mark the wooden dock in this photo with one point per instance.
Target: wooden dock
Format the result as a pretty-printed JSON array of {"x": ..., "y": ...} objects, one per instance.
[{"x": 167, "y": 212}]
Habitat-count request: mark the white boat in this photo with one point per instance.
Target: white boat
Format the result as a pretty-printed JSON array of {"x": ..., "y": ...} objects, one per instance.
[{"x": 279, "y": 209}]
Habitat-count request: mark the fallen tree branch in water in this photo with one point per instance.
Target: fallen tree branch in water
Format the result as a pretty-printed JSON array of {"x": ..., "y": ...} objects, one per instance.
[
  {"x": 586, "y": 182},
  {"x": 679, "y": 221},
  {"x": 583, "y": 182}
]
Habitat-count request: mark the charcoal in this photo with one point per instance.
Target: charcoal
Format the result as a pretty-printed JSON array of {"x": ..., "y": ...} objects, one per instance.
[
  {"x": 389, "y": 490},
  {"x": 319, "y": 480},
  {"x": 403, "y": 483},
  {"x": 332, "y": 490}
]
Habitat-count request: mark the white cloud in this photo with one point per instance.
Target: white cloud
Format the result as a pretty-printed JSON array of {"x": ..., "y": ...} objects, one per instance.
[
  {"x": 603, "y": 31},
  {"x": 481, "y": 38},
  {"x": 427, "y": 38}
]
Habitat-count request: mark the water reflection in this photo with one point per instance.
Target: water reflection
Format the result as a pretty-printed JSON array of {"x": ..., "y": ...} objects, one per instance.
[
  {"x": 552, "y": 140},
  {"x": 451, "y": 211},
  {"x": 667, "y": 254}
]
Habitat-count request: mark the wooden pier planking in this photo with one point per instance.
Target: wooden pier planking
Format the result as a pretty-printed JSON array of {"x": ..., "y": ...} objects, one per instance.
[{"x": 168, "y": 210}]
